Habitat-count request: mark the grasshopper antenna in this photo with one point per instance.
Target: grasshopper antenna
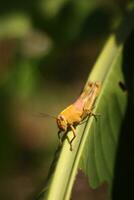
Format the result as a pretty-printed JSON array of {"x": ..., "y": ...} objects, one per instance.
[{"x": 46, "y": 115}]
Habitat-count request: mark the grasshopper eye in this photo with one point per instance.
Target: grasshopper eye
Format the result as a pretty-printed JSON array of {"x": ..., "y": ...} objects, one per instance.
[
  {"x": 62, "y": 118},
  {"x": 62, "y": 123}
]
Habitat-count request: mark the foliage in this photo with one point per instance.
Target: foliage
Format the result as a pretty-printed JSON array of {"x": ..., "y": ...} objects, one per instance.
[
  {"x": 96, "y": 143},
  {"x": 57, "y": 41}
]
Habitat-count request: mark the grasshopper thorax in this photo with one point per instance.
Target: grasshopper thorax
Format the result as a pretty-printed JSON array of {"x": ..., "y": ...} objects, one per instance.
[{"x": 62, "y": 123}]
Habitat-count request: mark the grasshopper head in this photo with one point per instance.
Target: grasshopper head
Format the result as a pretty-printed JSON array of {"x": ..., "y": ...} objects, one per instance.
[{"x": 62, "y": 123}]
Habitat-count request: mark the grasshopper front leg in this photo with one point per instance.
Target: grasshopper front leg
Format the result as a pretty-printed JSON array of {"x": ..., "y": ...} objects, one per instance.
[
  {"x": 69, "y": 141},
  {"x": 74, "y": 136},
  {"x": 60, "y": 137}
]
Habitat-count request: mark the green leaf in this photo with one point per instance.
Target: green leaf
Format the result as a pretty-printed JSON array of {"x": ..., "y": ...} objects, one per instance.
[
  {"x": 95, "y": 146},
  {"x": 101, "y": 138}
]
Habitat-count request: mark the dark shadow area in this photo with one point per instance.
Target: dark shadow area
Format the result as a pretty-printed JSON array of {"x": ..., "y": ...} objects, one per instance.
[
  {"x": 124, "y": 167},
  {"x": 125, "y": 27},
  {"x": 73, "y": 58},
  {"x": 8, "y": 7},
  {"x": 96, "y": 23},
  {"x": 68, "y": 24}
]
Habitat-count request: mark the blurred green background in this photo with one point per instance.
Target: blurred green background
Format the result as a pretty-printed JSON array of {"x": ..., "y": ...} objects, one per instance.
[{"x": 47, "y": 48}]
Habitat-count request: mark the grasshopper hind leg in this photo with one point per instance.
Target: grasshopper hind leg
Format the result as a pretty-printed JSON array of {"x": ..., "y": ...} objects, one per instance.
[{"x": 95, "y": 115}]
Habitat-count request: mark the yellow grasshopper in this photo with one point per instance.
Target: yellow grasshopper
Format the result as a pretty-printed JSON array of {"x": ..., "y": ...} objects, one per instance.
[{"x": 74, "y": 114}]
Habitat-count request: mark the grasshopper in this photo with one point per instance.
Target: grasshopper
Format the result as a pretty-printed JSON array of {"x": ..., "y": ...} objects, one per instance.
[{"x": 74, "y": 114}]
